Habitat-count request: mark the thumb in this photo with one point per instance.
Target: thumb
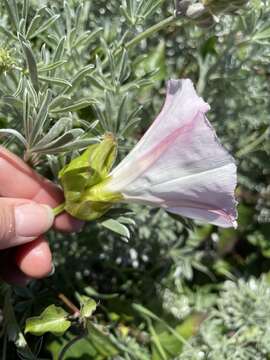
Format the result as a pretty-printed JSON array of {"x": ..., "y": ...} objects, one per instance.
[{"x": 22, "y": 221}]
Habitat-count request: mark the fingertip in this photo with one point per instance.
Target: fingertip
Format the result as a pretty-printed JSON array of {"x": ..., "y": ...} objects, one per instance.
[
  {"x": 66, "y": 223},
  {"x": 53, "y": 196},
  {"x": 34, "y": 259}
]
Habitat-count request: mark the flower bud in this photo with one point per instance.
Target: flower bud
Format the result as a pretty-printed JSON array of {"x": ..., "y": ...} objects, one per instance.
[
  {"x": 205, "y": 12},
  {"x": 224, "y": 6},
  {"x": 200, "y": 15},
  {"x": 6, "y": 60}
]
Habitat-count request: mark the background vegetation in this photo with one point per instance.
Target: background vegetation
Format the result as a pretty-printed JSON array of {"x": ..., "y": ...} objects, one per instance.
[{"x": 163, "y": 288}]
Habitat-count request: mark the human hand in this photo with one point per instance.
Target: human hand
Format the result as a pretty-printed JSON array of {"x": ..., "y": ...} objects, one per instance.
[{"x": 26, "y": 202}]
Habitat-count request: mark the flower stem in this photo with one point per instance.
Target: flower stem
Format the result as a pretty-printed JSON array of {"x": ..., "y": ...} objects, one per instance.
[
  {"x": 59, "y": 209},
  {"x": 69, "y": 304}
]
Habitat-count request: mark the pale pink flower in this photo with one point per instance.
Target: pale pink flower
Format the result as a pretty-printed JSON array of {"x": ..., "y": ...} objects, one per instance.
[{"x": 179, "y": 164}]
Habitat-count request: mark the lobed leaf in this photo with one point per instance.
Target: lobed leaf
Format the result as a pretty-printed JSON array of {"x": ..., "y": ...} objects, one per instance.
[{"x": 53, "y": 319}]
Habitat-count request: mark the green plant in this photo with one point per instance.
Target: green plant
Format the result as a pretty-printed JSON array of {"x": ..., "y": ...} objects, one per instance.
[{"x": 71, "y": 72}]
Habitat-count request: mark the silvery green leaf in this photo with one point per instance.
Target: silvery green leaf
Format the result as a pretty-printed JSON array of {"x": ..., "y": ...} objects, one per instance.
[
  {"x": 34, "y": 24},
  {"x": 116, "y": 227},
  {"x": 51, "y": 66},
  {"x": 25, "y": 10},
  {"x": 137, "y": 84},
  {"x": 124, "y": 68},
  {"x": 71, "y": 146},
  {"x": 88, "y": 126},
  {"x": 78, "y": 15},
  {"x": 131, "y": 120},
  {"x": 22, "y": 26},
  {"x": 43, "y": 27},
  {"x": 66, "y": 138},
  {"x": 86, "y": 37},
  {"x": 40, "y": 118},
  {"x": 11, "y": 6},
  {"x": 19, "y": 88},
  {"x": 56, "y": 81},
  {"x": 124, "y": 12},
  {"x": 14, "y": 133},
  {"x": 58, "y": 101},
  {"x": 101, "y": 117},
  {"x": 12, "y": 100},
  {"x": 80, "y": 76},
  {"x": 32, "y": 91},
  {"x": 121, "y": 112},
  {"x": 8, "y": 33},
  {"x": 99, "y": 66},
  {"x": 68, "y": 16},
  {"x": 62, "y": 125},
  {"x": 81, "y": 104},
  {"x": 146, "y": 8},
  {"x": 70, "y": 39},
  {"x": 27, "y": 120},
  {"x": 131, "y": 124},
  {"x": 59, "y": 49},
  {"x": 97, "y": 82},
  {"x": 31, "y": 62}
]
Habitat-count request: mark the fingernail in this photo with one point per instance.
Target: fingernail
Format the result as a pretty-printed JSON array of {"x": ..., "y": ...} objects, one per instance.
[
  {"x": 32, "y": 219},
  {"x": 52, "y": 271}
]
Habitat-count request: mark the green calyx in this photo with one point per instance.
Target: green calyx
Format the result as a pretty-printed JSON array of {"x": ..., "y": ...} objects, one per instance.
[{"x": 84, "y": 180}]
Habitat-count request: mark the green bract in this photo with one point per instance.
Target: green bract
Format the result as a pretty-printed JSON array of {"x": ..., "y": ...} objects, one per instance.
[{"x": 83, "y": 181}]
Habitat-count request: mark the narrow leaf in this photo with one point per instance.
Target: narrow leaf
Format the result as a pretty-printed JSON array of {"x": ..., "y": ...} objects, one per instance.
[
  {"x": 31, "y": 63},
  {"x": 56, "y": 81},
  {"x": 41, "y": 118},
  {"x": 14, "y": 133},
  {"x": 62, "y": 140},
  {"x": 81, "y": 104},
  {"x": 70, "y": 146},
  {"x": 44, "y": 26},
  {"x": 81, "y": 74},
  {"x": 51, "y": 66},
  {"x": 11, "y": 6},
  {"x": 116, "y": 227},
  {"x": 58, "y": 128}
]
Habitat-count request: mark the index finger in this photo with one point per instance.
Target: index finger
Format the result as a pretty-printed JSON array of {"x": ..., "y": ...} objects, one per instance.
[{"x": 18, "y": 180}]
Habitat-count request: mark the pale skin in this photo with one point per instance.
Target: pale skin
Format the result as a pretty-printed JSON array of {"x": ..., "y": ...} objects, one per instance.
[{"x": 26, "y": 203}]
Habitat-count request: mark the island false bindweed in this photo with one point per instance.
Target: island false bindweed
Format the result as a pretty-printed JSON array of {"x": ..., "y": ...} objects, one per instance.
[{"x": 178, "y": 165}]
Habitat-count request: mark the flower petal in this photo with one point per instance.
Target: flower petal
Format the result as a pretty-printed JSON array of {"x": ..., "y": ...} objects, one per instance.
[{"x": 179, "y": 163}]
